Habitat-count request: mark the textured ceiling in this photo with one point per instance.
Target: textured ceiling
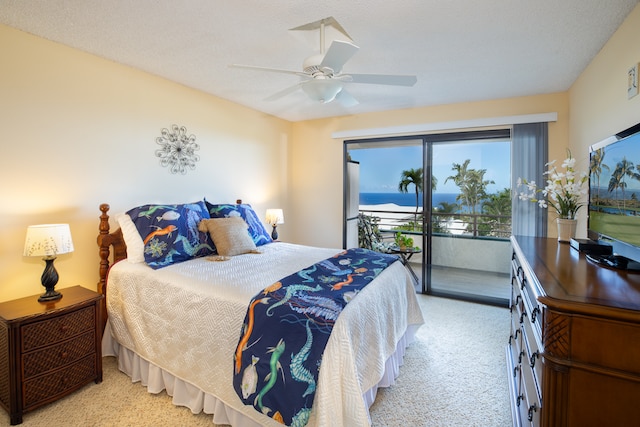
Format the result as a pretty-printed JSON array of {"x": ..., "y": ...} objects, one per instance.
[{"x": 462, "y": 50}]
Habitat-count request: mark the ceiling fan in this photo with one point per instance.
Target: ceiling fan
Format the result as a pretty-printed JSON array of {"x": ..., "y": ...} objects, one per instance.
[{"x": 321, "y": 76}]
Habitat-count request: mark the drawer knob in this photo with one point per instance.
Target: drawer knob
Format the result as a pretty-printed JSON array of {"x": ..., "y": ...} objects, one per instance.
[
  {"x": 533, "y": 408},
  {"x": 534, "y": 314},
  {"x": 532, "y": 359},
  {"x": 522, "y": 317},
  {"x": 64, "y": 355},
  {"x": 514, "y": 336},
  {"x": 64, "y": 328}
]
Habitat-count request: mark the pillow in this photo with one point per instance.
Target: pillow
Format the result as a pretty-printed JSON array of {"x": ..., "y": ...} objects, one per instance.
[
  {"x": 170, "y": 232},
  {"x": 230, "y": 235},
  {"x": 257, "y": 231},
  {"x": 135, "y": 247}
]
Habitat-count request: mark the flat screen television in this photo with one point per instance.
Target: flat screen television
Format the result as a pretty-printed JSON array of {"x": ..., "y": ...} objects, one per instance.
[{"x": 614, "y": 193}]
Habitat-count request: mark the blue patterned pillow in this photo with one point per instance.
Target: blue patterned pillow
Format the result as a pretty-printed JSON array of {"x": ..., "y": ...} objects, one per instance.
[
  {"x": 257, "y": 231},
  {"x": 170, "y": 232}
]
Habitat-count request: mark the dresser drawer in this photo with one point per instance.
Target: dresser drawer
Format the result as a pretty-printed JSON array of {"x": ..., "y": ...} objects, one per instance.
[
  {"x": 57, "y": 355},
  {"x": 529, "y": 402},
  {"x": 46, "y": 332},
  {"x": 50, "y": 386},
  {"x": 532, "y": 351}
]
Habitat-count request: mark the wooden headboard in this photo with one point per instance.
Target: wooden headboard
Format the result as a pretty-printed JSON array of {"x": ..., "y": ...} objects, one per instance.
[{"x": 111, "y": 246}]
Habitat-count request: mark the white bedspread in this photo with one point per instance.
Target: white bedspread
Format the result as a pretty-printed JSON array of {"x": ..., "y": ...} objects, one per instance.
[{"x": 186, "y": 319}]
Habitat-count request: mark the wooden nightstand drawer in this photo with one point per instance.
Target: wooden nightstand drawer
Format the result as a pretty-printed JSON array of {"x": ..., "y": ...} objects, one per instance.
[
  {"x": 49, "y": 358},
  {"x": 40, "y": 334},
  {"x": 48, "y": 350},
  {"x": 51, "y": 386}
]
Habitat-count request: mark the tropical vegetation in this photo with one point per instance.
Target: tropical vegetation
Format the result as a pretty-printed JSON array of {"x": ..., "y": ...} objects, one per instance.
[{"x": 477, "y": 211}]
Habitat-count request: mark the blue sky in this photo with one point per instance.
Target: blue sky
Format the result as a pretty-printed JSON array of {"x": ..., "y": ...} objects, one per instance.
[
  {"x": 381, "y": 168},
  {"x": 628, "y": 149}
]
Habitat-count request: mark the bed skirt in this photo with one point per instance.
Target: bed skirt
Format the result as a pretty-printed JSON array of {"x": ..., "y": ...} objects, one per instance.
[{"x": 183, "y": 393}]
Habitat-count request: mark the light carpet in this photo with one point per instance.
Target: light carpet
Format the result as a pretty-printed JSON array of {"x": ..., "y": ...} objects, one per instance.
[{"x": 454, "y": 374}]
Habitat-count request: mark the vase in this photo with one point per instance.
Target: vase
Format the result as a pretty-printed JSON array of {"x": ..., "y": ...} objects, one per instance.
[{"x": 566, "y": 229}]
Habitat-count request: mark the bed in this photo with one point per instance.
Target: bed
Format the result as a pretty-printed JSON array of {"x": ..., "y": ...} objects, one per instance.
[{"x": 176, "y": 327}]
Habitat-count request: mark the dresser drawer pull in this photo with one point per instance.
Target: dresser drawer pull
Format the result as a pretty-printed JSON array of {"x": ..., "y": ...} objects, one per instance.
[
  {"x": 515, "y": 371},
  {"x": 522, "y": 316},
  {"x": 523, "y": 284},
  {"x": 514, "y": 336},
  {"x": 519, "y": 399},
  {"x": 64, "y": 328},
  {"x": 520, "y": 356},
  {"x": 534, "y": 314},
  {"x": 532, "y": 359},
  {"x": 64, "y": 355},
  {"x": 533, "y": 408}
]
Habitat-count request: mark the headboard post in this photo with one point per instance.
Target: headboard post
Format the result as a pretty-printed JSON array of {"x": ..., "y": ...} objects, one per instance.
[{"x": 104, "y": 247}]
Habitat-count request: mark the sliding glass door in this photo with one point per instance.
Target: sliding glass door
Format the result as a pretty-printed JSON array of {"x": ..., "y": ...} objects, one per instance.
[
  {"x": 461, "y": 239},
  {"x": 471, "y": 219}
]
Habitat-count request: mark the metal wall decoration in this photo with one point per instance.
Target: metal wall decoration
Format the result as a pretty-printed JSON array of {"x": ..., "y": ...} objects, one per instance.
[{"x": 177, "y": 149}]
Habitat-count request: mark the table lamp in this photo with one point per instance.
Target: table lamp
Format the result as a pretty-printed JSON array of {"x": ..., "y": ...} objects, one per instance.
[
  {"x": 48, "y": 241},
  {"x": 274, "y": 217}
]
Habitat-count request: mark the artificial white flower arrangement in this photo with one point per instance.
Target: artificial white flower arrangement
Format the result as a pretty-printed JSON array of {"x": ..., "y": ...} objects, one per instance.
[{"x": 563, "y": 192}]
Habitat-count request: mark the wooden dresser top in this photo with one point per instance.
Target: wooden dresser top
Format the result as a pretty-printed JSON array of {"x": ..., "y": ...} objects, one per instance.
[{"x": 568, "y": 278}]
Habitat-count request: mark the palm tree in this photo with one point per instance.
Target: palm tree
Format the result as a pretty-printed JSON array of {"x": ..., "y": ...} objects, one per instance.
[
  {"x": 596, "y": 166},
  {"x": 498, "y": 206},
  {"x": 473, "y": 186},
  {"x": 415, "y": 177},
  {"x": 623, "y": 168}
]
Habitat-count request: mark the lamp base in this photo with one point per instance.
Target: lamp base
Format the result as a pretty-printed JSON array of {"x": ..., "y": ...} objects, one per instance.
[
  {"x": 274, "y": 233},
  {"x": 50, "y": 296},
  {"x": 49, "y": 279}
]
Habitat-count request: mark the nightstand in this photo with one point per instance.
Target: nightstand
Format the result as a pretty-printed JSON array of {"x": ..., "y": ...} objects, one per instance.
[{"x": 48, "y": 350}]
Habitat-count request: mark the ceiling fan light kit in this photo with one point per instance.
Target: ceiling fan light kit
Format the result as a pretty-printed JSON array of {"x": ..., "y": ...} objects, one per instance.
[
  {"x": 322, "y": 91},
  {"x": 321, "y": 77}
]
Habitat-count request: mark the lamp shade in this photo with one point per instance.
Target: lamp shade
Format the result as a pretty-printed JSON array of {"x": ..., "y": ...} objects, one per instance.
[
  {"x": 48, "y": 240},
  {"x": 274, "y": 216}
]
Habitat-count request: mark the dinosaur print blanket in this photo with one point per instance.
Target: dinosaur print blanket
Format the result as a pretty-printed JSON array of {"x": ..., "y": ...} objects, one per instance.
[{"x": 286, "y": 329}]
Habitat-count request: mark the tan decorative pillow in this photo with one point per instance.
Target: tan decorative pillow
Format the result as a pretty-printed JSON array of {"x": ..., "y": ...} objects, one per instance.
[{"x": 230, "y": 235}]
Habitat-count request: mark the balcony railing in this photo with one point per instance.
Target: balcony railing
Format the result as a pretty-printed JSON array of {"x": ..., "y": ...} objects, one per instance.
[{"x": 455, "y": 224}]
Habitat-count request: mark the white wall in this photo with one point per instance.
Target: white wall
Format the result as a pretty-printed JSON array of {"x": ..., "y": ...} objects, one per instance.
[
  {"x": 598, "y": 98},
  {"x": 78, "y": 130}
]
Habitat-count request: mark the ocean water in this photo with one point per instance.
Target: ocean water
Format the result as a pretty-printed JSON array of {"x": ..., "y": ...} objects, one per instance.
[{"x": 404, "y": 199}]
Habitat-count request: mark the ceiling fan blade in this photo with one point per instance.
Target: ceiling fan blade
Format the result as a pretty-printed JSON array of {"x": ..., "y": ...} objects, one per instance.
[
  {"x": 272, "y": 70},
  {"x": 383, "y": 79},
  {"x": 283, "y": 92},
  {"x": 346, "y": 99},
  {"x": 338, "y": 54}
]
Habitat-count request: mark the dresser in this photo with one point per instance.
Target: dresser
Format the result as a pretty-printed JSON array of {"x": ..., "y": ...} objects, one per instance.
[
  {"x": 573, "y": 356},
  {"x": 48, "y": 350}
]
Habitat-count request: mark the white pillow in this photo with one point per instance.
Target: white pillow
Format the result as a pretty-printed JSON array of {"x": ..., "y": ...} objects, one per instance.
[{"x": 135, "y": 245}]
